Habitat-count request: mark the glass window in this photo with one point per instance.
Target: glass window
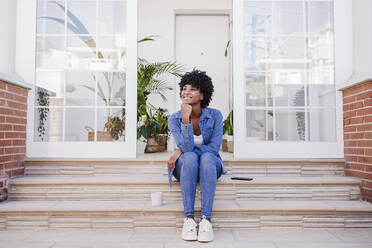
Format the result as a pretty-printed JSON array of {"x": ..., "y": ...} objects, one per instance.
[
  {"x": 81, "y": 69},
  {"x": 289, "y": 69}
]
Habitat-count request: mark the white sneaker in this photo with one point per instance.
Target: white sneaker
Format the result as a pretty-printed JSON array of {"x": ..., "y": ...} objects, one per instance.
[
  {"x": 189, "y": 229},
  {"x": 205, "y": 231}
]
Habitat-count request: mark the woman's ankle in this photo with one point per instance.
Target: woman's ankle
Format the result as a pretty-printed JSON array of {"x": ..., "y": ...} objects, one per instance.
[{"x": 190, "y": 217}]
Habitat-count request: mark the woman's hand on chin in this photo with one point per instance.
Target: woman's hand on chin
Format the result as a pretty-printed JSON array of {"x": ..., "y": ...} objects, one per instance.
[{"x": 186, "y": 112}]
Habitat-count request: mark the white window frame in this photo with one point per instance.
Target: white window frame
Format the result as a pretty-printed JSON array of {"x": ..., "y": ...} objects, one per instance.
[
  {"x": 25, "y": 67},
  {"x": 288, "y": 149}
]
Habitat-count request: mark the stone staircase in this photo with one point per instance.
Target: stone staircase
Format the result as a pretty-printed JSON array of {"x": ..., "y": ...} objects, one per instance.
[{"x": 311, "y": 193}]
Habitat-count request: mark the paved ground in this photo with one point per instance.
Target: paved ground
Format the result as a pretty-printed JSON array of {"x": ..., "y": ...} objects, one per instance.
[{"x": 167, "y": 238}]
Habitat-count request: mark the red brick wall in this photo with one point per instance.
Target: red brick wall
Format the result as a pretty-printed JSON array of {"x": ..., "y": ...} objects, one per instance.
[
  {"x": 13, "y": 119},
  {"x": 357, "y": 111}
]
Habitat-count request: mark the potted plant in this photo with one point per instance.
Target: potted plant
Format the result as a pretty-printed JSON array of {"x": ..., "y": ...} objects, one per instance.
[
  {"x": 148, "y": 82},
  {"x": 228, "y": 131},
  {"x": 154, "y": 129}
]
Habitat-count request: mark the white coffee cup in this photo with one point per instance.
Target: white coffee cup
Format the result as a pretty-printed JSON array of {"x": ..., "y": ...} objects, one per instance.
[{"x": 157, "y": 198}]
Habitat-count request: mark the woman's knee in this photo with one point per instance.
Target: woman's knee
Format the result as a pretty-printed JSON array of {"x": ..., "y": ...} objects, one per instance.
[
  {"x": 189, "y": 158},
  {"x": 208, "y": 161}
]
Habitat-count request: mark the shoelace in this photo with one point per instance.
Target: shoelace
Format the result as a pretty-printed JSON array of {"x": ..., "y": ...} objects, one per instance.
[
  {"x": 190, "y": 224},
  {"x": 203, "y": 228}
]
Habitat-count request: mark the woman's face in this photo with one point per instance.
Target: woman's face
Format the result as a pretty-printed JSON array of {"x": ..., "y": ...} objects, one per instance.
[{"x": 191, "y": 95}]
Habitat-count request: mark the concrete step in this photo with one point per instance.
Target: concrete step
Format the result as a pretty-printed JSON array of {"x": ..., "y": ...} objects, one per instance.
[
  {"x": 155, "y": 166},
  {"x": 227, "y": 214},
  {"x": 140, "y": 187}
]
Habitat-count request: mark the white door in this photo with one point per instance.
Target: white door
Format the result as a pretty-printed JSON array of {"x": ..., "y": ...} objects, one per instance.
[
  {"x": 84, "y": 101},
  {"x": 200, "y": 43},
  {"x": 286, "y": 104}
]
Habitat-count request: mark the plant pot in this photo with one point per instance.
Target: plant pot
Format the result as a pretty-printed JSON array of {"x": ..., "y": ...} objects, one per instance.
[
  {"x": 224, "y": 144},
  {"x": 101, "y": 135},
  {"x": 156, "y": 145},
  {"x": 230, "y": 143},
  {"x": 141, "y": 146}
]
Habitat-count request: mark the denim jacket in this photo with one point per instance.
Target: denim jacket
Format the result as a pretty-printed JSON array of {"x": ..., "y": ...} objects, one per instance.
[{"x": 210, "y": 125}]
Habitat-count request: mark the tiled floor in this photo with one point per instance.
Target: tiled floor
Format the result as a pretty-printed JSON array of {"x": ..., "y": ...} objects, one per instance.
[{"x": 164, "y": 238}]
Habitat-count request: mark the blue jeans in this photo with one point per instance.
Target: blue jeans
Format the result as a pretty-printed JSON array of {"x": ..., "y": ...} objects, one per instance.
[{"x": 189, "y": 168}]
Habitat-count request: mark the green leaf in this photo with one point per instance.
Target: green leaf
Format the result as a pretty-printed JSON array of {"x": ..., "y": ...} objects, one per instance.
[
  {"x": 148, "y": 38},
  {"x": 227, "y": 46}
]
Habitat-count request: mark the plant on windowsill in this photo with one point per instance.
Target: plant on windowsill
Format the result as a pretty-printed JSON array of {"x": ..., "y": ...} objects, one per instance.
[
  {"x": 228, "y": 129},
  {"x": 154, "y": 129},
  {"x": 42, "y": 100}
]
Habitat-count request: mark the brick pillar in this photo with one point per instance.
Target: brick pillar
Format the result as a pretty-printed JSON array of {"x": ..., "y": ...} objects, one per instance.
[
  {"x": 13, "y": 120},
  {"x": 357, "y": 114}
]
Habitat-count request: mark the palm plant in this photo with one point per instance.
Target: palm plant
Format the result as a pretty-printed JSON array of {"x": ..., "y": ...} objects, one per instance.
[{"x": 148, "y": 81}]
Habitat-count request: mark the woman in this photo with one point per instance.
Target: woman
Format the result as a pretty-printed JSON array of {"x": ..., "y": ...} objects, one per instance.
[{"x": 197, "y": 131}]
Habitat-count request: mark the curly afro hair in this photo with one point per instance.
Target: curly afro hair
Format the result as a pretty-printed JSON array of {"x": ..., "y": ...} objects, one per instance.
[{"x": 201, "y": 81}]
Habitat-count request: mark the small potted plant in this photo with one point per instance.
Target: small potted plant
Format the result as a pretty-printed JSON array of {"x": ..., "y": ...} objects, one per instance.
[
  {"x": 154, "y": 130},
  {"x": 228, "y": 131}
]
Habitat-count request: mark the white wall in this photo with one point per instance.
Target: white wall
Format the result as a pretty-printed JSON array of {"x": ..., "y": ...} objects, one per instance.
[
  {"x": 8, "y": 36},
  {"x": 362, "y": 36}
]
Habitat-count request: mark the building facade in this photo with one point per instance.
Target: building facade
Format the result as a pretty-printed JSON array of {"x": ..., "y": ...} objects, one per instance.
[{"x": 287, "y": 69}]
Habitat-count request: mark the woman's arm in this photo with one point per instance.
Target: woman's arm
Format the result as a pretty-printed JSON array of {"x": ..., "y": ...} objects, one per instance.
[
  {"x": 172, "y": 160},
  {"x": 183, "y": 134},
  {"x": 216, "y": 139}
]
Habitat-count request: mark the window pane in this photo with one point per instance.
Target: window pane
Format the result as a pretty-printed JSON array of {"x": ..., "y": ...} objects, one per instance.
[
  {"x": 319, "y": 16},
  {"x": 50, "y": 88},
  {"x": 320, "y": 52},
  {"x": 255, "y": 125},
  {"x": 112, "y": 17},
  {"x": 50, "y": 53},
  {"x": 82, "y": 16},
  {"x": 77, "y": 119},
  {"x": 288, "y": 94},
  {"x": 286, "y": 52},
  {"x": 48, "y": 124},
  {"x": 113, "y": 51},
  {"x": 321, "y": 95},
  {"x": 80, "y": 88},
  {"x": 81, "y": 53},
  {"x": 50, "y": 17},
  {"x": 290, "y": 125},
  {"x": 255, "y": 89},
  {"x": 111, "y": 124},
  {"x": 111, "y": 88},
  {"x": 258, "y": 17},
  {"x": 322, "y": 123},
  {"x": 255, "y": 51},
  {"x": 288, "y": 17}
]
